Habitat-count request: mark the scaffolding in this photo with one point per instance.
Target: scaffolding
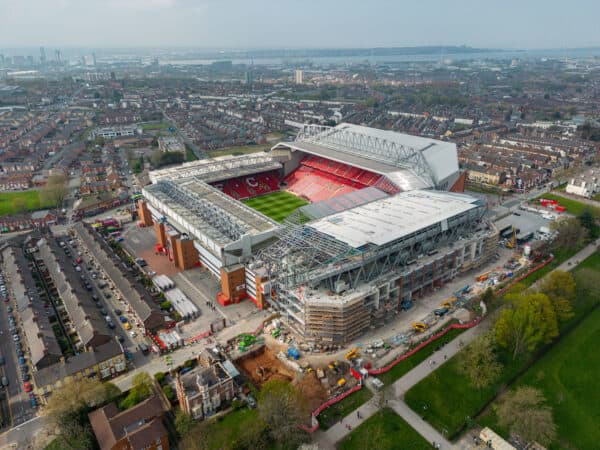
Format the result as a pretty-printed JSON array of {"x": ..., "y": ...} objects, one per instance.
[{"x": 331, "y": 292}]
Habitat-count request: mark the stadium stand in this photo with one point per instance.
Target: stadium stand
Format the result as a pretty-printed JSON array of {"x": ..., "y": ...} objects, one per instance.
[
  {"x": 250, "y": 186},
  {"x": 319, "y": 179},
  {"x": 315, "y": 185}
]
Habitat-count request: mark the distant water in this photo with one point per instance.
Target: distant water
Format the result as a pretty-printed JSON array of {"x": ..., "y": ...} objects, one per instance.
[{"x": 584, "y": 53}]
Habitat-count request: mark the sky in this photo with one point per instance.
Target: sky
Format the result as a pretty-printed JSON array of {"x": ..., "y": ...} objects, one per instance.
[{"x": 244, "y": 24}]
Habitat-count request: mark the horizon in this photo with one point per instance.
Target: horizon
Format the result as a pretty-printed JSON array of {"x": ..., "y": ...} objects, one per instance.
[{"x": 308, "y": 24}]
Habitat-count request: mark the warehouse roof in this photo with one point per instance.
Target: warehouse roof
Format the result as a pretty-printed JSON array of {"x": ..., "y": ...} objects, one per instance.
[{"x": 389, "y": 219}]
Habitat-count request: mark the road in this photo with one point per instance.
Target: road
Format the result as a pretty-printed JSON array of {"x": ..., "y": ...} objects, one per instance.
[
  {"x": 200, "y": 154},
  {"x": 28, "y": 435},
  {"x": 327, "y": 439}
]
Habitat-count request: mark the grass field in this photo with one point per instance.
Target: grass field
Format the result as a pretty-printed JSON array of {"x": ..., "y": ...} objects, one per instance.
[
  {"x": 567, "y": 375},
  {"x": 230, "y": 426},
  {"x": 334, "y": 413},
  {"x": 277, "y": 205},
  {"x": 573, "y": 206},
  {"x": 9, "y": 202},
  {"x": 413, "y": 361},
  {"x": 155, "y": 126},
  {"x": 385, "y": 430},
  {"x": 449, "y": 402}
]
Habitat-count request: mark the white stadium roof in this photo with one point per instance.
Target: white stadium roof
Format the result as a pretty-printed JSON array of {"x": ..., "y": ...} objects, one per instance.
[
  {"x": 217, "y": 169},
  {"x": 411, "y": 162},
  {"x": 389, "y": 219}
]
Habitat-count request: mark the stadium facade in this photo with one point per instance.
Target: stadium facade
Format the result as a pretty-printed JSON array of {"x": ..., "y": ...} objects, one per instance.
[{"x": 386, "y": 224}]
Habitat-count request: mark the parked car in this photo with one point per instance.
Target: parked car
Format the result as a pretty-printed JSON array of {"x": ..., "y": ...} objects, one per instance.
[
  {"x": 123, "y": 319},
  {"x": 118, "y": 312},
  {"x": 4, "y": 381},
  {"x": 27, "y": 387}
]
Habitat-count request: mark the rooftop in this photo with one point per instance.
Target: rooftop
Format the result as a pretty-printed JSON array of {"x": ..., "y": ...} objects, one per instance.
[
  {"x": 217, "y": 169},
  {"x": 205, "y": 211},
  {"x": 389, "y": 219},
  {"x": 141, "y": 424},
  {"x": 411, "y": 162}
]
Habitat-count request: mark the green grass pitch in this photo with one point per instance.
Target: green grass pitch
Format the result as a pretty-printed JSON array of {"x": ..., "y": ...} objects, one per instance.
[{"x": 277, "y": 205}]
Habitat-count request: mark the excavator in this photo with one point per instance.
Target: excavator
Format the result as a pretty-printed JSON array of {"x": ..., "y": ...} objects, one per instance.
[
  {"x": 420, "y": 326},
  {"x": 513, "y": 239}
]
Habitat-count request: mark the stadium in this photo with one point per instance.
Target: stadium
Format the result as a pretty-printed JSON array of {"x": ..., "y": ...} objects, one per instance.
[{"x": 339, "y": 230}]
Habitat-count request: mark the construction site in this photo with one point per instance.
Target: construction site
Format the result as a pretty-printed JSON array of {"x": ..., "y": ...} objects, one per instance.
[{"x": 386, "y": 225}]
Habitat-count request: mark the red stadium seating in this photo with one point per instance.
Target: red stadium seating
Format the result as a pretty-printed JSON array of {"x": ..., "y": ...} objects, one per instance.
[
  {"x": 250, "y": 186},
  {"x": 318, "y": 179},
  {"x": 315, "y": 185}
]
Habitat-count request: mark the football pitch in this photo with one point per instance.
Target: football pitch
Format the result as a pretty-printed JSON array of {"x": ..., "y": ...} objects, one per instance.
[{"x": 277, "y": 205}]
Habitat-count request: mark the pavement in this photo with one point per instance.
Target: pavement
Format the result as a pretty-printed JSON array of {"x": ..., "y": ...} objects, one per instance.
[{"x": 327, "y": 439}]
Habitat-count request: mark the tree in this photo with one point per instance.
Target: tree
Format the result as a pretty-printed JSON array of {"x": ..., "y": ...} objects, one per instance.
[
  {"x": 74, "y": 395},
  {"x": 559, "y": 286},
  {"x": 526, "y": 414},
  {"x": 529, "y": 322},
  {"x": 281, "y": 406},
  {"x": 570, "y": 234},
  {"x": 587, "y": 219},
  {"x": 479, "y": 361},
  {"x": 54, "y": 191},
  {"x": 183, "y": 422},
  {"x": 141, "y": 389},
  {"x": 75, "y": 431}
]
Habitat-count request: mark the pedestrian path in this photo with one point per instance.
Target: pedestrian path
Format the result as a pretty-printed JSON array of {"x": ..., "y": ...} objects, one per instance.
[{"x": 327, "y": 439}]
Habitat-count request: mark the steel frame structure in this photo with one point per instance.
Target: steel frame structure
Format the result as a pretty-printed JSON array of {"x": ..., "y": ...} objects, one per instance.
[
  {"x": 304, "y": 256},
  {"x": 378, "y": 148}
]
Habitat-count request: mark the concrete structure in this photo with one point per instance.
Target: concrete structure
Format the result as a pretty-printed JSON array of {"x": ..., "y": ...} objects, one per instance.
[
  {"x": 585, "y": 185},
  {"x": 139, "y": 427},
  {"x": 170, "y": 144},
  {"x": 114, "y": 132},
  {"x": 341, "y": 264},
  {"x": 334, "y": 277},
  {"x": 203, "y": 390}
]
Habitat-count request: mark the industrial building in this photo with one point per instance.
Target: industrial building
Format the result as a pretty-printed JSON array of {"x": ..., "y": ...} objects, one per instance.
[{"x": 381, "y": 228}]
